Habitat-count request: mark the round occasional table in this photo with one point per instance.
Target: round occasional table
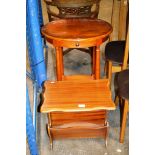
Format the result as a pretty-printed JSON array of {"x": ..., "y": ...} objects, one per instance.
[{"x": 77, "y": 33}]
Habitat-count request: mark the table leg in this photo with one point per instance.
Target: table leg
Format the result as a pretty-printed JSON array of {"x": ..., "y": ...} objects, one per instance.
[
  {"x": 97, "y": 66},
  {"x": 49, "y": 125},
  {"x": 106, "y": 135},
  {"x": 107, "y": 129},
  {"x": 50, "y": 136},
  {"x": 59, "y": 63},
  {"x": 93, "y": 59}
]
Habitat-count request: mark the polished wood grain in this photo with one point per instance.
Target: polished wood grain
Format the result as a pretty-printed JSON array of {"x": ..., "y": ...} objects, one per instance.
[
  {"x": 97, "y": 64},
  {"x": 77, "y": 108},
  {"x": 80, "y": 95},
  {"x": 77, "y": 104},
  {"x": 77, "y": 125},
  {"x": 73, "y": 118},
  {"x": 76, "y": 29},
  {"x": 93, "y": 60},
  {"x": 77, "y": 33},
  {"x": 72, "y": 9},
  {"x": 81, "y": 132},
  {"x": 59, "y": 63},
  {"x": 78, "y": 77}
]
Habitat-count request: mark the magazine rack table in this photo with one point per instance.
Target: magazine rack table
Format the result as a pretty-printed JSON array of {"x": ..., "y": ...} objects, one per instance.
[{"x": 77, "y": 105}]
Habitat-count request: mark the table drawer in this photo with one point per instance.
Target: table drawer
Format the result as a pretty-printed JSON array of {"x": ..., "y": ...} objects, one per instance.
[{"x": 77, "y": 44}]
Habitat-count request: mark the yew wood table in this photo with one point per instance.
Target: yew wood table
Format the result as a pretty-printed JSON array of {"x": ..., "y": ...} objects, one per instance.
[
  {"x": 77, "y": 33},
  {"x": 77, "y": 109},
  {"x": 77, "y": 105}
]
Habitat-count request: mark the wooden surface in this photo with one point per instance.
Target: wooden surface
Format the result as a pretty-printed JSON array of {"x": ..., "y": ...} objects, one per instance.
[
  {"x": 77, "y": 77},
  {"x": 77, "y": 105},
  {"x": 73, "y": 118},
  {"x": 77, "y": 125},
  {"x": 77, "y": 33},
  {"x": 126, "y": 52},
  {"x": 123, "y": 17},
  {"x": 80, "y": 95},
  {"x": 124, "y": 118},
  {"x": 76, "y": 29},
  {"x": 73, "y": 9},
  {"x": 79, "y": 132},
  {"x": 88, "y": 124}
]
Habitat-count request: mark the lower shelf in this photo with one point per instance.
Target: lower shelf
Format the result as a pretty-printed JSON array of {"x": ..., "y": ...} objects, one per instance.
[
  {"x": 84, "y": 131},
  {"x": 56, "y": 119}
]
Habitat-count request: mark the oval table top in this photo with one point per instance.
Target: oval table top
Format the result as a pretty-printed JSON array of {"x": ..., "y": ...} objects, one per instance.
[{"x": 76, "y": 29}]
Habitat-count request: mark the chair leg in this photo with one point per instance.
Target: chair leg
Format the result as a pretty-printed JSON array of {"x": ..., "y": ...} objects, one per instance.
[
  {"x": 109, "y": 72},
  {"x": 116, "y": 101},
  {"x": 123, "y": 125}
]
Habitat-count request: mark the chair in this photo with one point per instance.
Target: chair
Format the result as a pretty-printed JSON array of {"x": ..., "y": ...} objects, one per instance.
[
  {"x": 117, "y": 52},
  {"x": 123, "y": 93},
  {"x": 72, "y": 9},
  {"x": 116, "y": 56}
]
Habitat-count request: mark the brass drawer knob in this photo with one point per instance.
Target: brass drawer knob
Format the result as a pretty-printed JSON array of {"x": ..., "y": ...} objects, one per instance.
[{"x": 77, "y": 44}]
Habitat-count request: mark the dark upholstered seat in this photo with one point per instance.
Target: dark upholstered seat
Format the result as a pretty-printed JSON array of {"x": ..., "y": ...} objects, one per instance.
[
  {"x": 114, "y": 51},
  {"x": 116, "y": 56}
]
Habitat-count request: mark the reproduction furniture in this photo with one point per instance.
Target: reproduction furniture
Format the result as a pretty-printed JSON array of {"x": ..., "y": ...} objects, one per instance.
[
  {"x": 77, "y": 109},
  {"x": 77, "y": 33},
  {"x": 62, "y": 9},
  {"x": 77, "y": 104},
  {"x": 123, "y": 92}
]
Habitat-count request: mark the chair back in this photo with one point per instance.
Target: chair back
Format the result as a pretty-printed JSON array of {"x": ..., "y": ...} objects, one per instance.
[
  {"x": 122, "y": 18},
  {"x": 72, "y": 9}
]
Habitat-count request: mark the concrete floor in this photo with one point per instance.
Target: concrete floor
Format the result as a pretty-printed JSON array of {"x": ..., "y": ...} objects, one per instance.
[{"x": 79, "y": 62}]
